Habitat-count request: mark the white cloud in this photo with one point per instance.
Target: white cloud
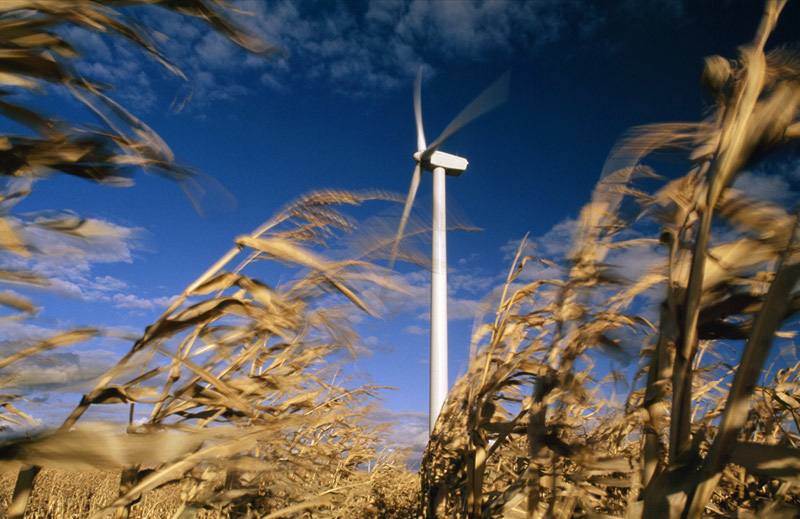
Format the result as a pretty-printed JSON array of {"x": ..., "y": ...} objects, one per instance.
[
  {"x": 215, "y": 51},
  {"x": 463, "y": 28},
  {"x": 165, "y": 301},
  {"x": 107, "y": 283},
  {"x": 409, "y": 430},
  {"x": 368, "y": 47},
  {"x": 461, "y": 278},
  {"x": 462, "y": 308},
  {"x": 640, "y": 8},
  {"x": 771, "y": 187},
  {"x": 415, "y": 330},
  {"x": 67, "y": 288},
  {"x": 67, "y": 260},
  {"x": 133, "y": 302},
  {"x": 627, "y": 264},
  {"x": 473, "y": 256},
  {"x": 15, "y": 330},
  {"x": 95, "y": 241},
  {"x": 557, "y": 242},
  {"x": 633, "y": 263},
  {"x": 462, "y": 281},
  {"x": 52, "y": 368},
  {"x": 457, "y": 309},
  {"x": 357, "y": 48},
  {"x": 61, "y": 369},
  {"x": 554, "y": 245},
  {"x": 177, "y": 29},
  {"x": 380, "y": 44},
  {"x": 88, "y": 42},
  {"x": 371, "y": 341}
]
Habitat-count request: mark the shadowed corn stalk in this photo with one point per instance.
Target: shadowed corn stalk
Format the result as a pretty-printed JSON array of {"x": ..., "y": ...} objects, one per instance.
[{"x": 529, "y": 431}]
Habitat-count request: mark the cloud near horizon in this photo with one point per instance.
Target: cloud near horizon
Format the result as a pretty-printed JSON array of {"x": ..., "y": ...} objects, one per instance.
[{"x": 409, "y": 431}]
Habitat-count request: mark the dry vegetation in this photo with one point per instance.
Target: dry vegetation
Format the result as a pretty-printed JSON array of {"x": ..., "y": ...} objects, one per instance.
[
  {"x": 531, "y": 432},
  {"x": 248, "y": 413}
]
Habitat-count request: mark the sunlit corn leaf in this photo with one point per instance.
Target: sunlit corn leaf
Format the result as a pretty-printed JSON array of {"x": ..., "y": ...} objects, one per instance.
[
  {"x": 17, "y": 302},
  {"x": 96, "y": 446}
]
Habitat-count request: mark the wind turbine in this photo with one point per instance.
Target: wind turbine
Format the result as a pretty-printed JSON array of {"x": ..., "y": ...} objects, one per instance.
[{"x": 429, "y": 158}]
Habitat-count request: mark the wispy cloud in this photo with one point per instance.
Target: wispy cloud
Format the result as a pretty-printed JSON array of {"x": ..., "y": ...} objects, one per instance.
[
  {"x": 62, "y": 370},
  {"x": 767, "y": 186},
  {"x": 131, "y": 301},
  {"x": 18, "y": 330},
  {"x": 467, "y": 285},
  {"x": 114, "y": 63},
  {"x": 354, "y": 48},
  {"x": 379, "y": 44},
  {"x": 458, "y": 308},
  {"x": 68, "y": 260},
  {"x": 415, "y": 329},
  {"x": 555, "y": 244},
  {"x": 671, "y": 9}
]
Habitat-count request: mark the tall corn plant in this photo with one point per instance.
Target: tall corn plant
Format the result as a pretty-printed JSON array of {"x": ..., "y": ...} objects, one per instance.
[
  {"x": 239, "y": 378},
  {"x": 522, "y": 408},
  {"x": 243, "y": 379},
  {"x": 35, "y": 56},
  {"x": 758, "y": 101},
  {"x": 530, "y": 432}
]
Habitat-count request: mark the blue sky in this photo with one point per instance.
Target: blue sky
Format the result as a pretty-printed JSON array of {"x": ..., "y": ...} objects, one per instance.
[{"x": 337, "y": 112}]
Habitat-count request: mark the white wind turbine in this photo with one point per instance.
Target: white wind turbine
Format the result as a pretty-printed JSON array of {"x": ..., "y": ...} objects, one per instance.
[{"x": 429, "y": 158}]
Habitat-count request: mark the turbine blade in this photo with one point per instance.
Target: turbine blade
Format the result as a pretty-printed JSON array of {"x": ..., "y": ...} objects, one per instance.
[
  {"x": 418, "y": 111},
  {"x": 412, "y": 193},
  {"x": 495, "y": 95}
]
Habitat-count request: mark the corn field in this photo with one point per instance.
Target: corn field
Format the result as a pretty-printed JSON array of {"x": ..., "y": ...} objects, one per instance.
[{"x": 248, "y": 409}]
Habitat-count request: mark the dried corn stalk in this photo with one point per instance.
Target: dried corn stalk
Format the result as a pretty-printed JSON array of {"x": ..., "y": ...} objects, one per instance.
[{"x": 529, "y": 431}]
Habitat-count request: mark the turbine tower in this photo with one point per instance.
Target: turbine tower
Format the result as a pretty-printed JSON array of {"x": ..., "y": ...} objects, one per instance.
[{"x": 441, "y": 164}]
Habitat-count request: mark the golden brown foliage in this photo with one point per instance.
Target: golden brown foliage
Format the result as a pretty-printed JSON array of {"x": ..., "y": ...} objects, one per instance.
[
  {"x": 249, "y": 411},
  {"x": 243, "y": 380},
  {"x": 530, "y": 432},
  {"x": 36, "y": 56}
]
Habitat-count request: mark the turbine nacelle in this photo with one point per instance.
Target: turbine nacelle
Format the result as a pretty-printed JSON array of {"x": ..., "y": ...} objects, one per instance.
[{"x": 453, "y": 164}]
